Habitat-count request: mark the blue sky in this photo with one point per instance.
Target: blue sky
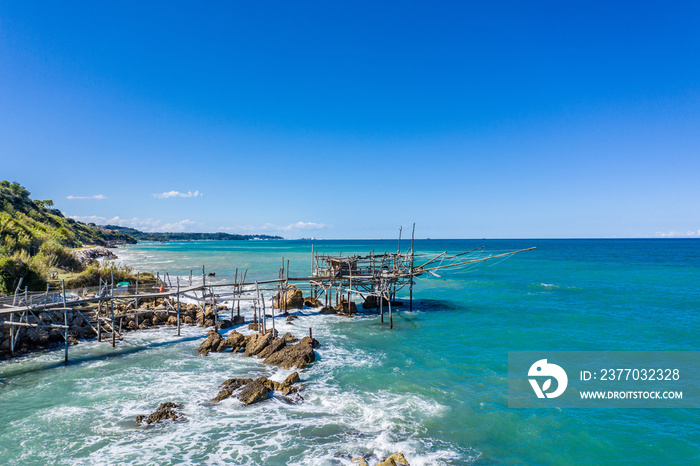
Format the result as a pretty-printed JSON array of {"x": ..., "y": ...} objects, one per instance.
[{"x": 348, "y": 119}]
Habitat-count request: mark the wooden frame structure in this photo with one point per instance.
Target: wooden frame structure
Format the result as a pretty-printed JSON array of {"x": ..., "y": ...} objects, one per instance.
[{"x": 376, "y": 278}]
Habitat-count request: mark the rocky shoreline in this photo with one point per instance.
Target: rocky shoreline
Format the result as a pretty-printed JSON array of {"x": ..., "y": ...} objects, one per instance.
[{"x": 284, "y": 351}]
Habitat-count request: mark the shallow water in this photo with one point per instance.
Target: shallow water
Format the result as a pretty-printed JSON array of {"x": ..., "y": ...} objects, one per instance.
[{"x": 434, "y": 388}]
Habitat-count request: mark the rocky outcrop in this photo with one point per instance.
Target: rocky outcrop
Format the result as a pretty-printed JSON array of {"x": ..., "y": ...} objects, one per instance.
[
  {"x": 310, "y": 301},
  {"x": 372, "y": 302},
  {"x": 151, "y": 312},
  {"x": 229, "y": 386},
  {"x": 397, "y": 459},
  {"x": 272, "y": 347},
  {"x": 167, "y": 410},
  {"x": 257, "y": 342},
  {"x": 89, "y": 256},
  {"x": 299, "y": 355},
  {"x": 250, "y": 391},
  {"x": 238, "y": 320},
  {"x": 235, "y": 341},
  {"x": 343, "y": 307},
  {"x": 274, "y": 350},
  {"x": 257, "y": 390},
  {"x": 327, "y": 310},
  {"x": 292, "y": 298},
  {"x": 214, "y": 339},
  {"x": 224, "y": 324}
]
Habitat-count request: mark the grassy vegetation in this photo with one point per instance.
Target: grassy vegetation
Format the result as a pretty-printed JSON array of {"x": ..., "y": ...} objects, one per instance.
[
  {"x": 35, "y": 239},
  {"x": 91, "y": 275}
]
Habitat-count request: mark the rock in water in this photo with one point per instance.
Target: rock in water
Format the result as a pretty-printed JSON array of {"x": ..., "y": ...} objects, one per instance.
[
  {"x": 229, "y": 386},
  {"x": 286, "y": 386},
  {"x": 256, "y": 342},
  {"x": 299, "y": 355},
  {"x": 292, "y": 298},
  {"x": 372, "y": 302},
  {"x": 167, "y": 410},
  {"x": 274, "y": 346},
  {"x": 212, "y": 343},
  {"x": 238, "y": 320},
  {"x": 252, "y": 391},
  {"x": 397, "y": 459},
  {"x": 234, "y": 340},
  {"x": 225, "y": 323},
  {"x": 342, "y": 308},
  {"x": 257, "y": 390},
  {"x": 327, "y": 310},
  {"x": 310, "y": 301}
]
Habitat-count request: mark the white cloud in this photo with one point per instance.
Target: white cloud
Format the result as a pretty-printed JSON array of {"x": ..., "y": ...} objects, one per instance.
[
  {"x": 678, "y": 234},
  {"x": 169, "y": 194},
  {"x": 175, "y": 227},
  {"x": 238, "y": 228},
  {"x": 96, "y": 196},
  {"x": 304, "y": 226},
  {"x": 143, "y": 224},
  {"x": 298, "y": 226}
]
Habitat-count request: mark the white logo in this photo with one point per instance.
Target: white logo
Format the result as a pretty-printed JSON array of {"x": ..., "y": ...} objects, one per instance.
[{"x": 542, "y": 369}]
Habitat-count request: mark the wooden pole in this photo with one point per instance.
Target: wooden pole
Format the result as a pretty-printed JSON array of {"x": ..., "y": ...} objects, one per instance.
[
  {"x": 255, "y": 309},
  {"x": 178, "y": 306},
  {"x": 65, "y": 319},
  {"x": 136, "y": 299},
  {"x": 111, "y": 302},
  {"x": 264, "y": 311},
  {"x": 410, "y": 285},
  {"x": 12, "y": 334},
  {"x": 391, "y": 317},
  {"x": 349, "y": 289},
  {"x": 381, "y": 302}
]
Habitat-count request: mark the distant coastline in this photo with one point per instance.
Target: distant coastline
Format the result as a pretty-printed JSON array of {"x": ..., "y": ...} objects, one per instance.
[{"x": 181, "y": 236}]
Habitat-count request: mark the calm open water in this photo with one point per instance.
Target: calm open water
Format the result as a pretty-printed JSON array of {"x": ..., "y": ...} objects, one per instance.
[{"x": 434, "y": 388}]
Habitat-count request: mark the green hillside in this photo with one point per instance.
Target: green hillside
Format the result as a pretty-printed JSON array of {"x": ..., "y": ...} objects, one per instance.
[{"x": 35, "y": 239}]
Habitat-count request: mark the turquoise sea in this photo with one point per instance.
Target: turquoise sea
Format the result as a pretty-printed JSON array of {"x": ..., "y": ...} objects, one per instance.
[{"x": 435, "y": 387}]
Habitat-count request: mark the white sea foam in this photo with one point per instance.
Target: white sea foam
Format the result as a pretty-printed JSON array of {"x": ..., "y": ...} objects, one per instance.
[{"x": 333, "y": 424}]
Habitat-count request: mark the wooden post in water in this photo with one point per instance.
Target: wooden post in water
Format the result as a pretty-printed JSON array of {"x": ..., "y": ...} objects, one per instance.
[
  {"x": 12, "y": 334},
  {"x": 65, "y": 318},
  {"x": 236, "y": 292},
  {"x": 410, "y": 284},
  {"x": 391, "y": 317},
  {"x": 136, "y": 299},
  {"x": 178, "y": 306},
  {"x": 111, "y": 302},
  {"x": 262, "y": 320},
  {"x": 349, "y": 289},
  {"x": 255, "y": 309},
  {"x": 286, "y": 288},
  {"x": 214, "y": 307}
]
